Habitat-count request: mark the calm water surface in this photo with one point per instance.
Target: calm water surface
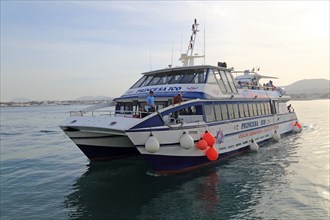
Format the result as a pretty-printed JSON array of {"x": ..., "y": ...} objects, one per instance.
[{"x": 45, "y": 176}]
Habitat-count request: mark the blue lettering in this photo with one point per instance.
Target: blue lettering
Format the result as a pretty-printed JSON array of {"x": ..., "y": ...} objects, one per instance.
[{"x": 249, "y": 124}]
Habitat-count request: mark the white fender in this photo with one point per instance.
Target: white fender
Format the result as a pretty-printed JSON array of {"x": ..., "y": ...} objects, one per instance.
[
  {"x": 276, "y": 136},
  {"x": 296, "y": 129},
  {"x": 186, "y": 141},
  {"x": 254, "y": 146},
  {"x": 152, "y": 144}
]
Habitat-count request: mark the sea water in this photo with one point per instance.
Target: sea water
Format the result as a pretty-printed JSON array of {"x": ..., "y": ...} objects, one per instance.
[{"x": 45, "y": 176}]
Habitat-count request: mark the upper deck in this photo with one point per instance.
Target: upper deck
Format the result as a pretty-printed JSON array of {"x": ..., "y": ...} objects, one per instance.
[{"x": 203, "y": 81}]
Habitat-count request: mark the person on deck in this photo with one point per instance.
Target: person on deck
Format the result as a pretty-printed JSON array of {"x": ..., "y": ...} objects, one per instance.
[
  {"x": 150, "y": 102},
  {"x": 177, "y": 100},
  {"x": 290, "y": 109}
]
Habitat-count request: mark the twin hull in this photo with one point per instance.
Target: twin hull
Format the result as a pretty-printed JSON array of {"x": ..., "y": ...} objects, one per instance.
[{"x": 113, "y": 137}]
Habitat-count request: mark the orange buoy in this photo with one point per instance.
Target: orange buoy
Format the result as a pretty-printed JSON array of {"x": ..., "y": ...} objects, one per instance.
[
  {"x": 209, "y": 138},
  {"x": 202, "y": 144},
  {"x": 298, "y": 125},
  {"x": 212, "y": 153}
]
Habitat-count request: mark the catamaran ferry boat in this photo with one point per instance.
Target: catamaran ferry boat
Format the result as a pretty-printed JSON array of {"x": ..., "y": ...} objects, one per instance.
[{"x": 219, "y": 116}]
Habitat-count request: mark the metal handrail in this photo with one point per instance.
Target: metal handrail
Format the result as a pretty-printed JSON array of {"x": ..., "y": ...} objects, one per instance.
[{"x": 110, "y": 113}]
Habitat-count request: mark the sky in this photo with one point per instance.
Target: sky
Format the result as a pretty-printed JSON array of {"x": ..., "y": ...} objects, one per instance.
[{"x": 62, "y": 50}]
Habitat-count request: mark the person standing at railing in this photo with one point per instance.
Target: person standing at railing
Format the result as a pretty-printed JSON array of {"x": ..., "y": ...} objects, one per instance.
[
  {"x": 177, "y": 100},
  {"x": 150, "y": 102}
]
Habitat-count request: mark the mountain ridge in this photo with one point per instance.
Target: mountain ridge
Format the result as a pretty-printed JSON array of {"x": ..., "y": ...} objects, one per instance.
[
  {"x": 308, "y": 86},
  {"x": 318, "y": 88}
]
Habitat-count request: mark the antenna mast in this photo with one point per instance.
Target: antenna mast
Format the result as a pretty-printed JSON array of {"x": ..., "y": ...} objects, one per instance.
[{"x": 188, "y": 58}]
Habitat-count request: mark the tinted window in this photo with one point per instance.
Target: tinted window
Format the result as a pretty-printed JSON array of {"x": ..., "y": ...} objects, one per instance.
[
  {"x": 146, "y": 82},
  {"x": 230, "y": 111},
  {"x": 176, "y": 79},
  {"x": 255, "y": 112},
  {"x": 266, "y": 104},
  {"x": 155, "y": 80},
  {"x": 225, "y": 81},
  {"x": 218, "y": 112},
  {"x": 220, "y": 81},
  {"x": 231, "y": 82},
  {"x": 211, "y": 78},
  {"x": 235, "y": 107},
  {"x": 209, "y": 113},
  {"x": 138, "y": 83},
  {"x": 241, "y": 110},
  {"x": 224, "y": 112},
  {"x": 251, "y": 109},
  {"x": 165, "y": 79},
  {"x": 246, "y": 110},
  {"x": 200, "y": 77},
  {"x": 187, "y": 78}
]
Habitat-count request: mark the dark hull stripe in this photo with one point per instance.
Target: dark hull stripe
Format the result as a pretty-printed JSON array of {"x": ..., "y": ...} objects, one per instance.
[
  {"x": 99, "y": 153},
  {"x": 226, "y": 135},
  {"x": 162, "y": 164},
  {"x": 96, "y": 137},
  {"x": 210, "y": 124}
]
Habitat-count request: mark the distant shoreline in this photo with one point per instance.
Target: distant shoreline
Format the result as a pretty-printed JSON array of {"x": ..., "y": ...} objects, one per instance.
[
  {"x": 51, "y": 103},
  {"x": 94, "y": 102}
]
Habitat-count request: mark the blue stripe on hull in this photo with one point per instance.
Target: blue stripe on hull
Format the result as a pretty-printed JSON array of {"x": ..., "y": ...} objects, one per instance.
[
  {"x": 162, "y": 164},
  {"x": 98, "y": 153}
]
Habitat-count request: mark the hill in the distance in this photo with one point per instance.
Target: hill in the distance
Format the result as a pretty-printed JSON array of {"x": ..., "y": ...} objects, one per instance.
[
  {"x": 21, "y": 100},
  {"x": 309, "y": 86},
  {"x": 89, "y": 98}
]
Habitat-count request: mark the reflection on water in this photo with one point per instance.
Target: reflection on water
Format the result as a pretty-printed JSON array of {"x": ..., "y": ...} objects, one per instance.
[
  {"x": 44, "y": 176},
  {"x": 231, "y": 190}
]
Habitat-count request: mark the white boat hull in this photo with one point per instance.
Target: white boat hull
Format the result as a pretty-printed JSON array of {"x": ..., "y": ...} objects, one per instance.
[
  {"x": 98, "y": 139},
  {"x": 231, "y": 139}
]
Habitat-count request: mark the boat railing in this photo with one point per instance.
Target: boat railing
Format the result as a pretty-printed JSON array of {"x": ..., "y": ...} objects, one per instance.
[
  {"x": 267, "y": 88},
  {"x": 110, "y": 113}
]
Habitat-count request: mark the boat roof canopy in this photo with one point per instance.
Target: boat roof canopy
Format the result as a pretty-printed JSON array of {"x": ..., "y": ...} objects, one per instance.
[{"x": 166, "y": 70}]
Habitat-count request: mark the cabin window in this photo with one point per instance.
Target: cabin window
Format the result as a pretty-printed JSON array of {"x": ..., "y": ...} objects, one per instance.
[
  {"x": 176, "y": 78},
  {"x": 246, "y": 110},
  {"x": 267, "y": 109},
  {"x": 154, "y": 81},
  {"x": 146, "y": 82},
  {"x": 255, "y": 112},
  {"x": 138, "y": 83},
  {"x": 209, "y": 113},
  {"x": 241, "y": 110},
  {"x": 258, "y": 108},
  {"x": 198, "y": 109},
  {"x": 235, "y": 107},
  {"x": 211, "y": 78},
  {"x": 231, "y": 82},
  {"x": 220, "y": 81},
  {"x": 277, "y": 106},
  {"x": 187, "y": 78},
  {"x": 194, "y": 76},
  {"x": 165, "y": 79},
  {"x": 251, "y": 109},
  {"x": 230, "y": 111},
  {"x": 262, "y": 107},
  {"x": 224, "y": 112},
  {"x": 218, "y": 115},
  {"x": 225, "y": 81}
]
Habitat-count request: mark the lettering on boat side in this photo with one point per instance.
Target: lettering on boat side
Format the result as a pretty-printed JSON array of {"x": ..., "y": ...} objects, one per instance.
[
  {"x": 258, "y": 131},
  {"x": 249, "y": 124},
  {"x": 252, "y": 124},
  {"x": 160, "y": 89}
]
